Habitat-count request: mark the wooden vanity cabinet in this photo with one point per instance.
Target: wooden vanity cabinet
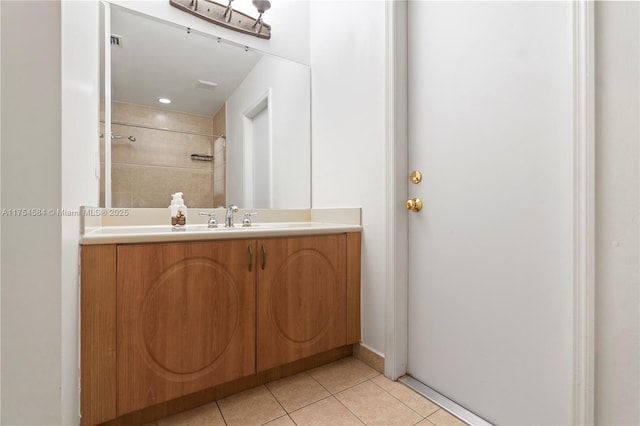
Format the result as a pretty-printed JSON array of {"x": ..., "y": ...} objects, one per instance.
[
  {"x": 302, "y": 298},
  {"x": 185, "y": 318},
  {"x": 163, "y": 320}
]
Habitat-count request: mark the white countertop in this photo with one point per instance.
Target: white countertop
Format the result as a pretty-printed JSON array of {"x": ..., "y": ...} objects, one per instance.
[
  {"x": 125, "y": 226},
  {"x": 166, "y": 233}
]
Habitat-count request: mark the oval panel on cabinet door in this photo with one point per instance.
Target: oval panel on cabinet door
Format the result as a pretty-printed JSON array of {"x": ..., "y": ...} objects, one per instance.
[
  {"x": 304, "y": 296},
  {"x": 194, "y": 303}
]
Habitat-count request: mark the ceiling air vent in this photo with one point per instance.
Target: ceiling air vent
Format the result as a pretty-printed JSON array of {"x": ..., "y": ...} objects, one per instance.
[
  {"x": 206, "y": 85},
  {"x": 116, "y": 40}
]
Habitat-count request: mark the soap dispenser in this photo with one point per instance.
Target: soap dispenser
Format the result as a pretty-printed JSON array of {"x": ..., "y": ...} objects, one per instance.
[{"x": 178, "y": 211}]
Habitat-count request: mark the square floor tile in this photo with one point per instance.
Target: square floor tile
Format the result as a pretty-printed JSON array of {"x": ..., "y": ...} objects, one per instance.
[
  {"x": 205, "y": 415},
  {"x": 361, "y": 367},
  {"x": 325, "y": 412},
  {"x": 375, "y": 406},
  {"x": 297, "y": 391},
  {"x": 444, "y": 418},
  {"x": 339, "y": 375},
  {"x": 252, "y": 407},
  {"x": 410, "y": 398}
]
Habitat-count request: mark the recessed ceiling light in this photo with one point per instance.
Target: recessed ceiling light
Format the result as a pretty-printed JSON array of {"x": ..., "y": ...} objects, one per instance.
[{"x": 164, "y": 100}]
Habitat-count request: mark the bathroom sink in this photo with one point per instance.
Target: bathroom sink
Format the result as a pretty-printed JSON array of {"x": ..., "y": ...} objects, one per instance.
[
  {"x": 201, "y": 232},
  {"x": 271, "y": 225},
  {"x": 156, "y": 229},
  {"x": 239, "y": 227}
]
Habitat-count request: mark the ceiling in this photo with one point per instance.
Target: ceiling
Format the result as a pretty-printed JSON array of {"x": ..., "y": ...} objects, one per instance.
[{"x": 157, "y": 59}]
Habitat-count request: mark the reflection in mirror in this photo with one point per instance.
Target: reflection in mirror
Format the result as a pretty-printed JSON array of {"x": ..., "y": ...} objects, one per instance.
[{"x": 236, "y": 130}]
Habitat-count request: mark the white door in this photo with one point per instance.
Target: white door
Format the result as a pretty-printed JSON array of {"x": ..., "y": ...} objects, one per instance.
[{"x": 490, "y": 275}]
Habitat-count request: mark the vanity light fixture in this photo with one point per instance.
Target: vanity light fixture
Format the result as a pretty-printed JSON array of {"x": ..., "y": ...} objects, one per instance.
[
  {"x": 226, "y": 16},
  {"x": 164, "y": 100}
]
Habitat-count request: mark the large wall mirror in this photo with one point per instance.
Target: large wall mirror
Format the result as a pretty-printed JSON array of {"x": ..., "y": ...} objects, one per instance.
[{"x": 236, "y": 130}]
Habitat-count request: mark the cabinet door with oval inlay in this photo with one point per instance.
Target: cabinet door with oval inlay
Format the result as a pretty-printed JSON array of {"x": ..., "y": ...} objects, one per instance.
[
  {"x": 301, "y": 297},
  {"x": 185, "y": 317}
]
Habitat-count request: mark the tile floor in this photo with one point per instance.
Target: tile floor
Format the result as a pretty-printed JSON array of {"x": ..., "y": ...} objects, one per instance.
[{"x": 345, "y": 392}]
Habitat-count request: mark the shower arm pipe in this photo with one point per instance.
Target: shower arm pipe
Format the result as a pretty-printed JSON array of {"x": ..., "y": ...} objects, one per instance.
[{"x": 141, "y": 126}]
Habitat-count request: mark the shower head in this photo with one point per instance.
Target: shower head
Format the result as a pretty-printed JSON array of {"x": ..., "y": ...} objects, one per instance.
[{"x": 131, "y": 138}]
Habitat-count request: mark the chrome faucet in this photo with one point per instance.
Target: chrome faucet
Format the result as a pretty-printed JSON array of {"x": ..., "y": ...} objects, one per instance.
[
  {"x": 212, "y": 222},
  {"x": 228, "y": 218}
]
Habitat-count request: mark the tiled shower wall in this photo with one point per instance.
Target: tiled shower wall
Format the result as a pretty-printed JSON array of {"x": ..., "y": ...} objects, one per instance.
[
  {"x": 146, "y": 172},
  {"x": 220, "y": 158}
]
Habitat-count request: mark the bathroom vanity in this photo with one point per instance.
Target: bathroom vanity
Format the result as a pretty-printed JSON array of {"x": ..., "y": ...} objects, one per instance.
[{"x": 171, "y": 319}]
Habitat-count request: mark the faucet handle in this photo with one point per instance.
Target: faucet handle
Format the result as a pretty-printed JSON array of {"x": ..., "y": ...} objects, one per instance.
[
  {"x": 212, "y": 222},
  {"x": 246, "y": 222}
]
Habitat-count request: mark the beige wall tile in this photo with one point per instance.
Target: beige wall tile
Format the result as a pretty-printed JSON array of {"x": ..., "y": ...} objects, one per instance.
[
  {"x": 374, "y": 406},
  {"x": 219, "y": 200},
  {"x": 328, "y": 411},
  {"x": 121, "y": 177},
  {"x": 155, "y": 117},
  {"x": 153, "y": 186},
  {"x": 121, "y": 199},
  {"x": 253, "y": 407},
  {"x": 146, "y": 172},
  {"x": 218, "y": 176},
  {"x": 219, "y": 122},
  {"x": 297, "y": 391},
  {"x": 155, "y": 147}
]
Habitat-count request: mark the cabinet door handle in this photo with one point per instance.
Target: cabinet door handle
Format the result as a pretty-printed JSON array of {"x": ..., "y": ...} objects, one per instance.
[
  {"x": 250, "y": 258},
  {"x": 264, "y": 257}
]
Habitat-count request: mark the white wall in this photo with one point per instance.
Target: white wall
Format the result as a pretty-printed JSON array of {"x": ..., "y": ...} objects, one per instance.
[
  {"x": 290, "y": 99},
  {"x": 50, "y": 116},
  {"x": 80, "y": 98},
  {"x": 31, "y": 175},
  {"x": 347, "y": 58},
  {"x": 349, "y": 134},
  {"x": 0, "y": 224},
  {"x": 289, "y": 20},
  {"x": 617, "y": 391}
]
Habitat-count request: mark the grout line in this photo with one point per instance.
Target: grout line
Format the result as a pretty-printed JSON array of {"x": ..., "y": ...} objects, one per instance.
[
  {"x": 321, "y": 399},
  {"x": 318, "y": 382},
  {"x": 292, "y": 421},
  {"x": 427, "y": 420},
  {"x": 349, "y": 410},
  {"x": 277, "y": 400},
  {"x": 351, "y": 387},
  {"x": 306, "y": 405},
  {"x": 403, "y": 403},
  {"x": 273, "y": 420},
  {"x": 221, "y": 413}
]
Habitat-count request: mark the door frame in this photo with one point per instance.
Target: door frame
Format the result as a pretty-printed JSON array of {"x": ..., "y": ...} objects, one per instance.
[
  {"x": 261, "y": 103},
  {"x": 581, "y": 25}
]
